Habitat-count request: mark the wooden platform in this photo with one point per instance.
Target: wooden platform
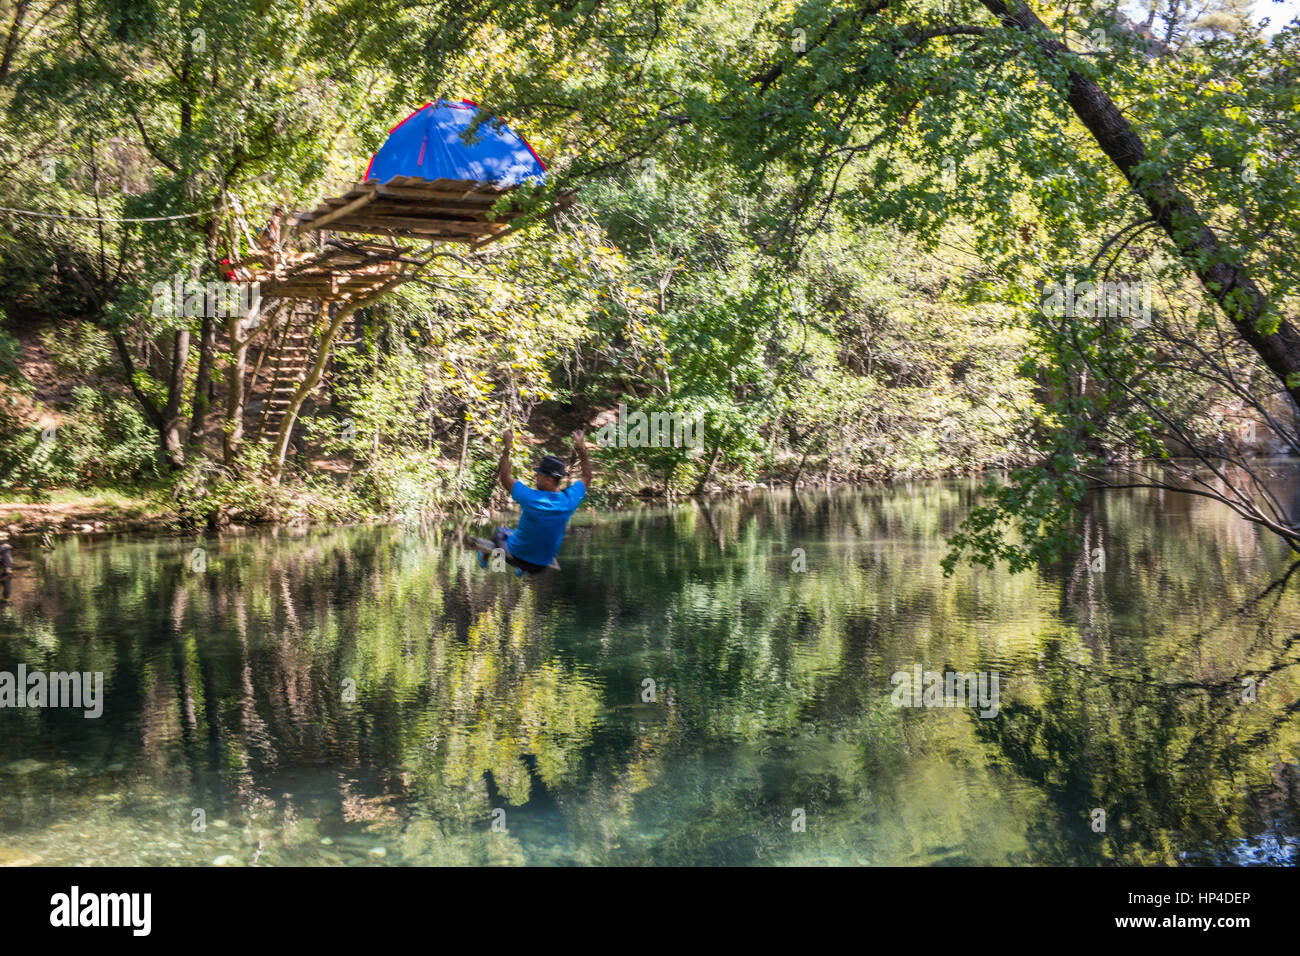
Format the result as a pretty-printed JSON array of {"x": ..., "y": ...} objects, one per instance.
[
  {"x": 340, "y": 271},
  {"x": 438, "y": 210}
]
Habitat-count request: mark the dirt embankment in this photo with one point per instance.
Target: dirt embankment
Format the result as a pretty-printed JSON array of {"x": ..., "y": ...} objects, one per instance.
[{"x": 79, "y": 517}]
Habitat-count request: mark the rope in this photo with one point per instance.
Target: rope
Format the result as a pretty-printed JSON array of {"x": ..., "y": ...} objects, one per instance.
[
  {"x": 507, "y": 411},
  {"x": 55, "y": 215}
]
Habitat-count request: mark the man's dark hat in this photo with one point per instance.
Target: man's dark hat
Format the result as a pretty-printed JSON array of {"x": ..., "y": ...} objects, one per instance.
[{"x": 552, "y": 466}]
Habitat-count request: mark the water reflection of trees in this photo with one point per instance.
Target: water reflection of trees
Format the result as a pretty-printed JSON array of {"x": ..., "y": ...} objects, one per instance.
[{"x": 476, "y": 691}]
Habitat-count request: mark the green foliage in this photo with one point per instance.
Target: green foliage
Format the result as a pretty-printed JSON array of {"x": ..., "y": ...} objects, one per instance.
[
  {"x": 814, "y": 232},
  {"x": 104, "y": 443}
]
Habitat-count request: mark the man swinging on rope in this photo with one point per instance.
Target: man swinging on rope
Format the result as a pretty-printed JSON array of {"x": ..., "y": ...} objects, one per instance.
[{"x": 546, "y": 510}]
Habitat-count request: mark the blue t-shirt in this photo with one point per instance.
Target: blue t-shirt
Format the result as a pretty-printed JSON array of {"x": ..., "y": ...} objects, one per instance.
[{"x": 545, "y": 516}]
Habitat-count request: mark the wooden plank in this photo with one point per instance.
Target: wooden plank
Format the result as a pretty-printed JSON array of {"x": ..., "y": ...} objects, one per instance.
[
  {"x": 344, "y": 210},
  {"x": 407, "y": 234},
  {"x": 325, "y": 294},
  {"x": 382, "y": 210},
  {"x": 396, "y": 220},
  {"x": 463, "y": 186},
  {"x": 471, "y": 198},
  {"x": 376, "y": 248},
  {"x": 378, "y": 268},
  {"x": 438, "y": 210},
  {"x": 398, "y": 207},
  {"x": 421, "y": 226},
  {"x": 407, "y": 207}
]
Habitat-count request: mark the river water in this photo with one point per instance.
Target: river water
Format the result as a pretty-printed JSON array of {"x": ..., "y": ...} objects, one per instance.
[{"x": 707, "y": 684}]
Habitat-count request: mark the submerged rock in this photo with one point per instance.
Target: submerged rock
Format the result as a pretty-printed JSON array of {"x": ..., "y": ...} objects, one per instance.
[
  {"x": 12, "y": 856},
  {"x": 299, "y": 832},
  {"x": 25, "y": 766}
]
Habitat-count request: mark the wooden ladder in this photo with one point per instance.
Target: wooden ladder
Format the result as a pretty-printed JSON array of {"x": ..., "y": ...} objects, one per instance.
[{"x": 288, "y": 357}]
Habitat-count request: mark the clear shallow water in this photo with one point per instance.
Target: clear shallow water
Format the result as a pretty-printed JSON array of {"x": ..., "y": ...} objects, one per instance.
[{"x": 475, "y": 692}]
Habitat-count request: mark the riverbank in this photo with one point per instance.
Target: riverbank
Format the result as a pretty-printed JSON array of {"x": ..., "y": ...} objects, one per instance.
[{"x": 68, "y": 511}]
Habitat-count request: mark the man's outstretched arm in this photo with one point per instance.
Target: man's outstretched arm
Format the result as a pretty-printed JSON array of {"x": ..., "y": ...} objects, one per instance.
[
  {"x": 504, "y": 470},
  {"x": 580, "y": 445}
]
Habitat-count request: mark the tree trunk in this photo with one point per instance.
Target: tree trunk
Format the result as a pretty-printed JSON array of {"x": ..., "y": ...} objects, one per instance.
[
  {"x": 232, "y": 433},
  {"x": 290, "y": 417},
  {"x": 464, "y": 446},
  {"x": 202, "y": 380},
  {"x": 12, "y": 38},
  {"x": 798, "y": 472},
  {"x": 1216, "y": 265},
  {"x": 313, "y": 377},
  {"x": 708, "y": 471},
  {"x": 237, "y": 383},
  {"x": 167, "y": 420},
  {"x": 173, "y": 449}
]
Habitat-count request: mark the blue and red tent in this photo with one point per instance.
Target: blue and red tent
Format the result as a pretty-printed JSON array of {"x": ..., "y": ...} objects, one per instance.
[{"x": 430, "y": 144}]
